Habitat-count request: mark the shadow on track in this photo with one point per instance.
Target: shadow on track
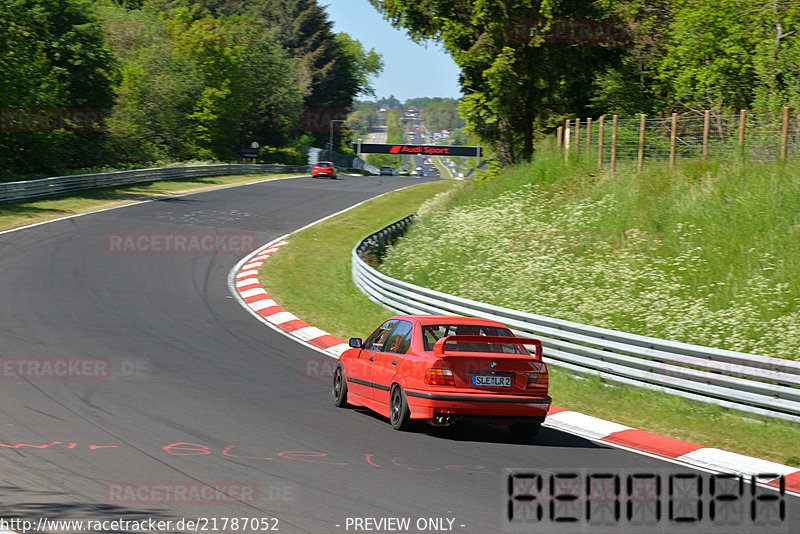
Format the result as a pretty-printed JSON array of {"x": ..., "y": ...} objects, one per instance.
[
  {"x": 489, "y": 433},
  {"x": 38, "y": 506}
]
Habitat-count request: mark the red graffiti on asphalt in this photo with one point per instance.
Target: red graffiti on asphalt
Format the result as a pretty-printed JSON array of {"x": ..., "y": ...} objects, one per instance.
[
  {"x": 46, "y": 445},
  {"x": 182, "y": 448}
]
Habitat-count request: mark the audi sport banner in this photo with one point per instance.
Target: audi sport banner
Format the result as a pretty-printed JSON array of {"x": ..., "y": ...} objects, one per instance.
[{"x": 419, "y": 150}]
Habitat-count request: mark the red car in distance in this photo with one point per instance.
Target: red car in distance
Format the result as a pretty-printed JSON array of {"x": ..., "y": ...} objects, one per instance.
[
  {"x": 324, "y": 168},
  {"x": 441, "y": 369}
]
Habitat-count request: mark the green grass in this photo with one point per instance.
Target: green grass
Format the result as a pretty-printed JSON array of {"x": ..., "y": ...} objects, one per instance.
[
  {"x": 311, "y": 278},
  {"x": 705, "y": 253},
  {"x": 311, "y": 275},
  {"x": 20, "y": 213}
]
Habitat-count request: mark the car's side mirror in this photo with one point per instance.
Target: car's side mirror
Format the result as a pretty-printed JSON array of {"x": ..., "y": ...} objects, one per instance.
[{"x": 356, "y": 342}]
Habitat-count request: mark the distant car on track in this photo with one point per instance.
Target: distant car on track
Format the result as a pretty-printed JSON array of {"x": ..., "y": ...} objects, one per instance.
[
  {"x": 324, "y": 168},
  {"x": 386, "y": 170},
  {"x": 403, "y": 172},
  {"x": 441, "y": 369}
]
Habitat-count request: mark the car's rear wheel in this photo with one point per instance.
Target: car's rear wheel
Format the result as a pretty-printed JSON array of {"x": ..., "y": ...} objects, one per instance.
[
  {"x": 340, "y": 387},
  {"x": 399, "y": 414},
  {"x": 525, "y": 431}
]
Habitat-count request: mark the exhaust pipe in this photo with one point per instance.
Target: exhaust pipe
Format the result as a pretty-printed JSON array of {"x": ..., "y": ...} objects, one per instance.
[{"x": 445, "y": 419}]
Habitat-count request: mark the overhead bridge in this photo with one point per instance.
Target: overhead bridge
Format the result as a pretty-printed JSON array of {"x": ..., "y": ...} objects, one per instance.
[{"x": 421, "y": 150}]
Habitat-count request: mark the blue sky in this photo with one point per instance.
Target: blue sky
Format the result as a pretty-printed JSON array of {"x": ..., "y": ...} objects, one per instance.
[{"x": 410, "y": 70}]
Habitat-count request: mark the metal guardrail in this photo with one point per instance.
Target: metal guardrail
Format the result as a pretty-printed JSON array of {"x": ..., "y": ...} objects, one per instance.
[
  {"x": 59, "y": 185},
  {"x": 755, "y": 384}
]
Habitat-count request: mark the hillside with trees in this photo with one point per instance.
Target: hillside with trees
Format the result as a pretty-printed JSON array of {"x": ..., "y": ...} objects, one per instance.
[{"x": 167, "y": 80}]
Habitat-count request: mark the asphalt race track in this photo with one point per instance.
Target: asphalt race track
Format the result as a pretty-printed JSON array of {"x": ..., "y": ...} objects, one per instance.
[{"x": 133, "y": 383}]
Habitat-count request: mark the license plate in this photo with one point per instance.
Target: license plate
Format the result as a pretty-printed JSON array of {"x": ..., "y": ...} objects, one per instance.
[{"x": 493, "y": 381}]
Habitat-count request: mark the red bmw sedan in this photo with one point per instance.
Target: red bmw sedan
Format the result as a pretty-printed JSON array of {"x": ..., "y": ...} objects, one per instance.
[{"x": 441, "y": 370}]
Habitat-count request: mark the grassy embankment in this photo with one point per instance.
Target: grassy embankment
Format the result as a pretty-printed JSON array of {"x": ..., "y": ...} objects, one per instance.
[
  {"x": 19, "y": 213},
  {"x": 698, "y": 255},
  {"x": 311, "y": 275}
]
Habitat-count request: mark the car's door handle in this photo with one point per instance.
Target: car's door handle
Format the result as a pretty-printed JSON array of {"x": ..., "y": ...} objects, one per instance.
[{"x": 372, "y": 358}]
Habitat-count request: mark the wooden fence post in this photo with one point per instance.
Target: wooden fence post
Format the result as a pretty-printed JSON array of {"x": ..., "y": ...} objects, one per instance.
[
  {"x": 577, "y": 136},
  {"x": 673, "y": 136},
  {"x": 600, "y": 142},
  {"x": 560, "y": 136},
  {"x": 588, "y": 138},
  {"x": 642, "y": 125},
  {"x": 566, "y": 140},
  {"x": 742, "y": 118},
  {"x": 706, "y": 125},
  {"x": 614, "y": 144},
  {"x": 784, "y": 134}
]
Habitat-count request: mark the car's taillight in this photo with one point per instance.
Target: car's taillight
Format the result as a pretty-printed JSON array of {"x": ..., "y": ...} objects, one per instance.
[
  {"x": 538, "y": 381},
  {"x": 439, "y": 377}
]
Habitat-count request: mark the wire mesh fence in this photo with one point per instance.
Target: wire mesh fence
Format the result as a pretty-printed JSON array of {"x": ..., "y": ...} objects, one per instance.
[{"x": 752, "y": 136}]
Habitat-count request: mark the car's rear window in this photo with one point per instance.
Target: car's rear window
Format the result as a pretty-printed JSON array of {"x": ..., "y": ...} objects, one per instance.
[
  {"x": 432, "y": 333},
  {"x": 324, "y": 164}
]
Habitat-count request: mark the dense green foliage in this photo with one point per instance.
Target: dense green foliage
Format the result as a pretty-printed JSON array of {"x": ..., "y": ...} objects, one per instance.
[
  {"x": 172, "y": 80},
  {"x": 513, "y": 86},
  {"x": 52, "y": 56},
  {"x": 526, "y": 65},
  {"x": 198, "y": 87}
]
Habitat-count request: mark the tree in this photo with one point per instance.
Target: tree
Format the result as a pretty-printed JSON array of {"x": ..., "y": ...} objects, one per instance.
[
  {"x": 357, "y": 65},
  {"x": 515, "y": 83},
  {"x": 708, "y": 60},
  {"x": 777, "y": 56},
  {"x": 54, "y": 66},
  {"x": 249, "y": 93},
  {"x": 691, "y": 55},
  {"x": 332, "y": 69},
  {"x": 632, "y": 84},
  {"x": 195, "y": 86}
]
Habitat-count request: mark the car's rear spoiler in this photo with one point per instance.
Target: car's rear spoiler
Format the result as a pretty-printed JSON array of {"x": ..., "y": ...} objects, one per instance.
[{"x": 438, "y": 347}]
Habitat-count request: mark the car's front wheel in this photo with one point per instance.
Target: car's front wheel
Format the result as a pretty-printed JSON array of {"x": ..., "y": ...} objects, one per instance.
[
  {"x": 340, "y": 387},
  {"x": 399, "y": 414}
]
